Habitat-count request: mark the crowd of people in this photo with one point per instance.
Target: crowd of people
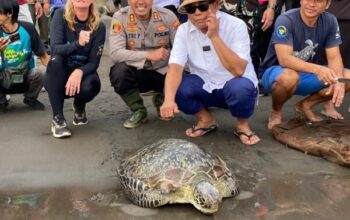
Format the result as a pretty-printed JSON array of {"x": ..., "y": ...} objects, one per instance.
[{"x": 190, "y": 55}]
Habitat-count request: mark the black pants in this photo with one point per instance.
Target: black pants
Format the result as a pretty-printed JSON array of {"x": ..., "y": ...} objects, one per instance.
[
  {"x": 259, "y": 39},
  {"x": 56, "y": 79},
  {"x": 126, "y": 79},
  {"x": 260, "y": 44}
]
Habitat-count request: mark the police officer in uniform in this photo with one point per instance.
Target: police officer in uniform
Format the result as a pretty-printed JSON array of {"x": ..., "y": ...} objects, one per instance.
[{"x": 140, "y": 42}]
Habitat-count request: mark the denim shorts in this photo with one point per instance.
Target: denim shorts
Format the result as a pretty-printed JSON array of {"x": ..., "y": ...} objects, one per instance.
[{"x": 309, "y": 83}]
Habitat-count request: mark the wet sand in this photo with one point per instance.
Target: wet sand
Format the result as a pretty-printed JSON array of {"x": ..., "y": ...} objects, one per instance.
[{"x": 46, "y": 178}]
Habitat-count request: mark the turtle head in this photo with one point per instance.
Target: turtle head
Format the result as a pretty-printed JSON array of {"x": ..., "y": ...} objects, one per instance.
[
  {"x": 206, "y": 197},
  {"x": 228, "y": 186}
]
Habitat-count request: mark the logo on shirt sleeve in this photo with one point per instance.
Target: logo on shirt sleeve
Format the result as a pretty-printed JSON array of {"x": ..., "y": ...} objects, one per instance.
[
  {"x": 281, "y": 31},
  {"x": 176, "y": 24},
  {"x": 100, "y": 50},
  {"x": 117, "y": 27},
  {"x": 337, "y": 34}
]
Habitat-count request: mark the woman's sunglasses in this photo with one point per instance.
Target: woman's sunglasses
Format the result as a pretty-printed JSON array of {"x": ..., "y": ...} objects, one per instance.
[{"x": 191, "y": 8}]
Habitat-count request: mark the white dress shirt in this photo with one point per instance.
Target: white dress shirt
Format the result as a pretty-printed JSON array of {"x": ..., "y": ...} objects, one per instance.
[{"x": 190, "y": 45}]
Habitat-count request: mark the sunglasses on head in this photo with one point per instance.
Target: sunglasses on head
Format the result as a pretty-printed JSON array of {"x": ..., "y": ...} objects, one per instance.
[{"x": 191, "y": 8}]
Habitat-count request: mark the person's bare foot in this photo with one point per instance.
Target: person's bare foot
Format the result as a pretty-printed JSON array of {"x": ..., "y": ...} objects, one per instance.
[
  {"x": 307, "y": 112},
  {"x": 274, "y": 119},
  {"x": 201, "y": 128},
  {"x": 330, "y": 112}
]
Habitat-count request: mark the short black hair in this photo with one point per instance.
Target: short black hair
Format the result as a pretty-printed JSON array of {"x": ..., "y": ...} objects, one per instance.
[{"x": 10, "y": 7}]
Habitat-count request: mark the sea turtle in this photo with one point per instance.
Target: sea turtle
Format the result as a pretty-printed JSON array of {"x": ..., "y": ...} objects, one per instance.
[{"x": 176, "y": 171}]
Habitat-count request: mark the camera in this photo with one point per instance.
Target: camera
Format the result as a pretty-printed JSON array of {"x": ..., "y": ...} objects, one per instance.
[{"x": 13, "y": 37}]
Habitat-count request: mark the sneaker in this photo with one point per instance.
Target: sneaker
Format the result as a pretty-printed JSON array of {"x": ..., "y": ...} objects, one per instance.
[
  {"x": 79, "y": 116},
  {"x": 138, "y": 117},
  {"x": 157, "y": 101},
  {"x": 36, "y": 105},
  {"x": 59, "y": 127}
]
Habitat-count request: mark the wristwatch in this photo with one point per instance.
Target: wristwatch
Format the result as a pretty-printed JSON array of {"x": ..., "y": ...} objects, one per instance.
[{"x": 272, "y": 6}]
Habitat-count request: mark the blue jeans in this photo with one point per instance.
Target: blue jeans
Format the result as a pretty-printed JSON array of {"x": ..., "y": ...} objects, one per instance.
[{"x": 238, "y": 95}]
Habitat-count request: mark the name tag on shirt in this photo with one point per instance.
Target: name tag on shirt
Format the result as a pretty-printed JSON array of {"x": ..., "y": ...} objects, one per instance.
[{"x": 206, "y": 48}]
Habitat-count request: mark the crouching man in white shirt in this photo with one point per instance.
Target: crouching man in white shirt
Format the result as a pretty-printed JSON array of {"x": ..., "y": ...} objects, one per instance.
[{"x": 216, "y": 48}]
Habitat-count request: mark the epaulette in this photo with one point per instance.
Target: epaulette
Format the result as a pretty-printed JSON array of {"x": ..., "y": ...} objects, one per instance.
[{"x": 124, "y": 10}]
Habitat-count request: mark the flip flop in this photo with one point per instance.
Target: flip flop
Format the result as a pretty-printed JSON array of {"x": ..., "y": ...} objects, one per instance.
[
  {"x": 204, "y": 130},
  {"x": 249, "y": 135}
]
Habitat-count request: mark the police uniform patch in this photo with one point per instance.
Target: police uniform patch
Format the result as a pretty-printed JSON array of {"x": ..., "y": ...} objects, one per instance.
[
  {"x": 281, "y": 31},
  {"x": 132, "y": 18},
  {"x": 162, "y": 42},
  {"x": 155, "y": 15},
  {"x": 131, "y": 43},
  {"x": 117, "y": 27},
  {"x": 162, "y": 28},
  {"x": 132, "y": 28},
  {"x": 176, "y": 24}
]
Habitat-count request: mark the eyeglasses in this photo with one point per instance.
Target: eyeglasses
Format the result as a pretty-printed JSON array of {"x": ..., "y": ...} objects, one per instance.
[{"x": 191, "y": 8}]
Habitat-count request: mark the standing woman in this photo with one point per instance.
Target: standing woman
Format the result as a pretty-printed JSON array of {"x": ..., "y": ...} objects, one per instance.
[{"x": 77, "y": 38}]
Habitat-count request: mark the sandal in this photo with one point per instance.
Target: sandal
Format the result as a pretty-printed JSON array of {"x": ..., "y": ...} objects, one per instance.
[
  {"x": 249, "y": 135},
  {"x": 204, "y": 130}
]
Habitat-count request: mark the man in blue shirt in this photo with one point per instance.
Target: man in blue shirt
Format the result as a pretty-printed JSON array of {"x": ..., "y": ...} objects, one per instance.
[{"x": 290, "y": 66}]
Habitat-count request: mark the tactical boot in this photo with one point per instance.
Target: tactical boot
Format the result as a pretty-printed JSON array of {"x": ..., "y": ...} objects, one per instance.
[
  {"x": 135, "y": 103},
  {"x": 138, "y": 117},
  {"x": 157, "y": 101}
]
